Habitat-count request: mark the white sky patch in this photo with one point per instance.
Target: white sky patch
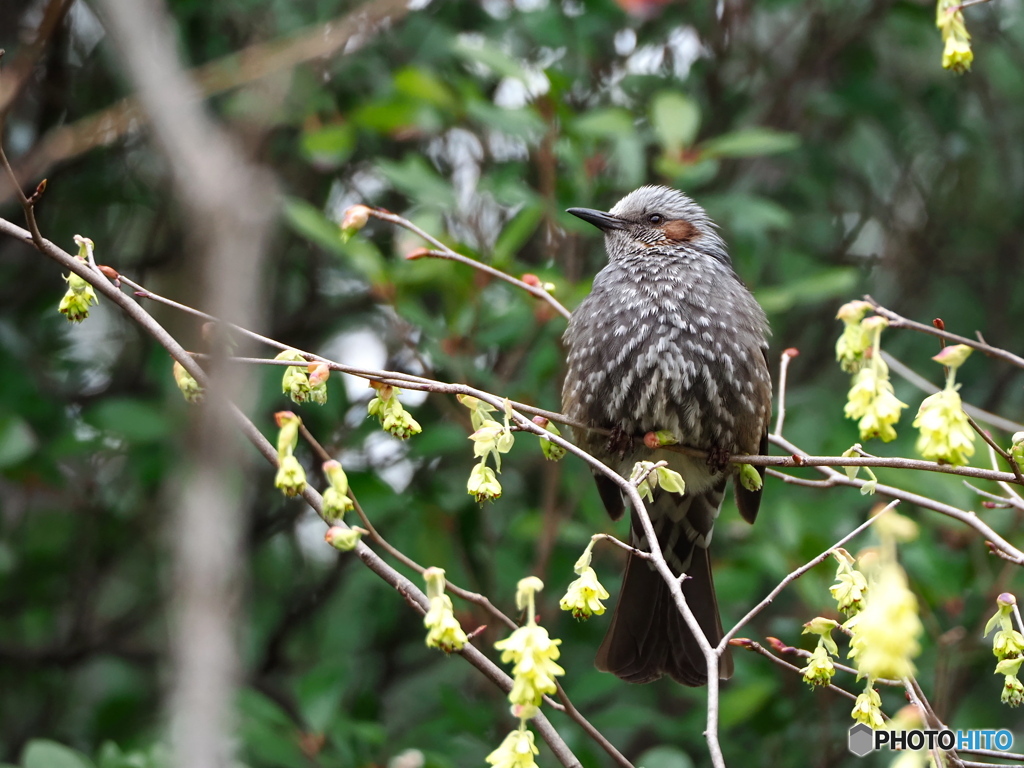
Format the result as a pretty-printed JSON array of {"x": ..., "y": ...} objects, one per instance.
[
  {"x": 309, "y": 534},
  {"x": 360, "y": 348},
  {"x": 686, "y": 48},
  {"x": 625, "y": 41}
]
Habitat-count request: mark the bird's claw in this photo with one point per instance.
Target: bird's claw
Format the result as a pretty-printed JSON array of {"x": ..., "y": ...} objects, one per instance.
[
  {"x": 619, "y": 442},
  {"x": 718, "y": 459}
]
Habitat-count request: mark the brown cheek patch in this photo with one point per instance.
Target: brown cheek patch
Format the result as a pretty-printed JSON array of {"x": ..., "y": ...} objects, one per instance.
[{"x": 679, "y": 231}]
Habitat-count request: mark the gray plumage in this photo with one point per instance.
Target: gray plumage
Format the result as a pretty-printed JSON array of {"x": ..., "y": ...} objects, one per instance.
[{"x": 668, "y": 339}]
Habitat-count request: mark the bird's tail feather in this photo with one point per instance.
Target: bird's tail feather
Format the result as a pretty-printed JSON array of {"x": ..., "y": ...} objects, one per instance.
[{"x": 648, "y": 636}]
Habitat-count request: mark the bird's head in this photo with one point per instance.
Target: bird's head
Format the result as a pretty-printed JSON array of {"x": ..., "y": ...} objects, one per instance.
[{"x": 659, "y": 219}]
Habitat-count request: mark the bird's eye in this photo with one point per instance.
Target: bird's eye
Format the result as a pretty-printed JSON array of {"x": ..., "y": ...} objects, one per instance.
[{"x": 655, "y": 218}]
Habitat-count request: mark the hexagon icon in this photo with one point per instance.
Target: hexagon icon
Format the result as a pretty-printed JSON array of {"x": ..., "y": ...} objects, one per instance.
[{"x": 861, "y": 739}]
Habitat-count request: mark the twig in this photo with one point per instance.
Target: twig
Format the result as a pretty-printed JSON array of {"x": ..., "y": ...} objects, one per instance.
[
  {"x": 898, "y": 321},
  {"x": 794, "y": 575},
  {"x": 999, "y": 544},
  {"x": 927, "y": 387},
  {"x": 793, "y": 651},
  {"x": 751, "y": 645},
  {"x": 340, "y": 36},
  {"x": 966, "y": 4},
  {"x": 997, "y": 448},
  {"x": 787, "y": 355},
  {"x": 442, "y": 251}
]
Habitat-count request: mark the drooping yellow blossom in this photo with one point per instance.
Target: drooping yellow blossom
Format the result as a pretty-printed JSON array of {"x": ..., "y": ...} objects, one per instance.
[
  {"x": 483, "y": 484},
  {"x": 291, "y": 477},
  {"x": 854, "y": 341},
  {"x": 532, "y": 652},
  {"x": 516, "y": 751},
  {"x": 886, "y": 632},
  {"x": 187, "y": 385},
  {"x": 1013, "y": 689},
  {"x": 873, "y": 404},
  {"x": 388, "y": 409},
  {"x": 336, "y": 501},
  {"x": 956, "y": 55},
  {"x": 584, "y": 596},
  {"x": 868, "y": 708},
  {"x": 820, "y": 669},
  {"x": 946, "y": 436},
  {"x": 444, "y": 631},
  {"x": 80, "y": 294}
]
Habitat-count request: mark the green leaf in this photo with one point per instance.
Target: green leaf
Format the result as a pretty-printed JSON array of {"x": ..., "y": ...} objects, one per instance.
[
  {"x": 664, "y": 757},
  {"x": 675, "y": 119},
  {"x": 42, "y": 753},
  {"x": 516, "y": 233},
  {"x": 604, "y": 123},
  {"x": 750, "y": 142},
  {"x": 136, "y": 420},
  {"x": 329, "y": 146},
  {"x": 422, "y": 84},
  {"x": 826, "y": 284},
  {"x": 310, "y": 223},
  {"x": 475, "y": 49},
  {"x": 739, "y": 704},
  {"x": 17, "y": 440},
  {"x": 417, "y": 179}
]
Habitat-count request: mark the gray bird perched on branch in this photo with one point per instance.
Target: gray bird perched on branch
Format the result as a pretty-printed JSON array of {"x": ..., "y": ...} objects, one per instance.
[{"x": 668, "y": 339}]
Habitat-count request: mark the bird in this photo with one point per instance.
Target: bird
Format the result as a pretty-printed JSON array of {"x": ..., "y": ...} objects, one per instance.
[{"x": 669, "y": 338}]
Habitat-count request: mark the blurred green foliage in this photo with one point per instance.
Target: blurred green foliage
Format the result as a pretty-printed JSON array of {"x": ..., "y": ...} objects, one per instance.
[{"x": 824, "y": 138}]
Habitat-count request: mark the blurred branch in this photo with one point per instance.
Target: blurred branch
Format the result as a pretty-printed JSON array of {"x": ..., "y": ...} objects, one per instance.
[
  {"x": 898, "y": 321},
  {"x": 442, "y": 251},
  {"x": 796, "y": 574},
  {"x": 229, "y": 206},
  {"x": 347, "y": 34},
  {"x": 998, "y": 544},
  {"x": 927, "y": 387},
  {"x": 18, "y": 72}
]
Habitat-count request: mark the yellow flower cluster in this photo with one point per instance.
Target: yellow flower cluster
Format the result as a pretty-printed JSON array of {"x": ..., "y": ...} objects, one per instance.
[
  {"x": 584, "y": 596},
  {"x": 80, "y": 294},
  {"x": 820, "y": 669},
  {"x": 516, "y": 751},
  {"x": 532, "y": 652},
  {"x": 187, "y": 385},
  {"x": 956, "y": 55},
  {"x": 443, "y": 629},
  {"x": 871, "y": 402},
  {"x": 291, "y": 477},
  {"x": 946, "y": 435},
  {"x": 490, "y": 438},
  {"x": 306, "y": 382},
  {"x": 336, "y": 501},
  {"x": 388, "y": 409},
  {"x": 1008, "y": 648},
  {"x": 868, "y": 708},
  {"x": 850, "y": 586},
  {"x": 885, "y": 633}
]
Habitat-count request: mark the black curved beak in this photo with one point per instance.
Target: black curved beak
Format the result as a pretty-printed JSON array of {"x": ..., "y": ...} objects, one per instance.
[{"x": 600, "y": 219}]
